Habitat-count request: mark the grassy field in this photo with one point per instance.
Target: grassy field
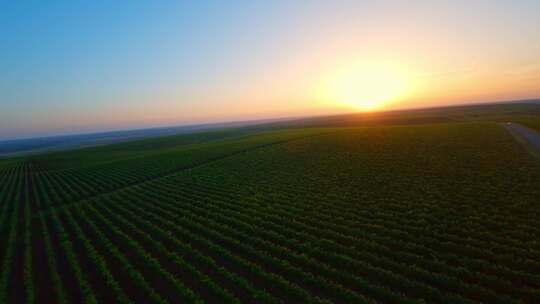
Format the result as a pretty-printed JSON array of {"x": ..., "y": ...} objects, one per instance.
[
  {"x": 531, "y": 122},
  {"x": 430, "y": 213}
]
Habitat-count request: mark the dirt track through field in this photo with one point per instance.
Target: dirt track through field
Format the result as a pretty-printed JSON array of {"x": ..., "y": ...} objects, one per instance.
[{"x": 528, "y": 137}]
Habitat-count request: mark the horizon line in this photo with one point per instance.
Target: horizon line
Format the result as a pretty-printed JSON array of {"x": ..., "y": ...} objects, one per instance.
[{"x": 244, "y": 122}]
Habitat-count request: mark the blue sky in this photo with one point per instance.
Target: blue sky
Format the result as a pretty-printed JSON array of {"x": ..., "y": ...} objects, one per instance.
[
  {"x": 60, "y": 59},
  {"x": 80, "y": 66}
]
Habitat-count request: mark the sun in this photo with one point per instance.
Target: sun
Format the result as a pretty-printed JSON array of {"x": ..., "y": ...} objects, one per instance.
[{"x": 366, "y": 86}]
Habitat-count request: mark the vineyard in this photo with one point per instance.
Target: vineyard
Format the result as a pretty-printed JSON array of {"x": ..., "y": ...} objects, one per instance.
[{"x": 440, "y": 213}]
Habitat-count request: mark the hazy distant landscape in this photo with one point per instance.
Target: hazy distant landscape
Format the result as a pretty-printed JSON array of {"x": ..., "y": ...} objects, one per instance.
[
  {"x": 68, "y": 142},
  {"x": 489, "y": 111}
]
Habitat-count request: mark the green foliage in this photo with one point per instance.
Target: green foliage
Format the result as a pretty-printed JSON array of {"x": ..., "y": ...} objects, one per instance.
[
  {"x": 529, "y": 121},
  {"x": 442, "y": 213}
]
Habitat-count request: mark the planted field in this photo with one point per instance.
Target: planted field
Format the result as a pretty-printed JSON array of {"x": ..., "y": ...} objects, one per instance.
[
  {"x": 443, "y": 213},
  {"x": 531, "y": 122}
]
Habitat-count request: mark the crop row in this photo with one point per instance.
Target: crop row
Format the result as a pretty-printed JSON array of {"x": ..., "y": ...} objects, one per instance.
[
  {"x": 223, "y": 209},
  {"x": 82, "y": 181}
]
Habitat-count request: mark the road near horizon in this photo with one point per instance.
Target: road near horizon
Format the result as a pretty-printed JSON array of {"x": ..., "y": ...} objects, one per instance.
[{"x": 525, "y": 135}]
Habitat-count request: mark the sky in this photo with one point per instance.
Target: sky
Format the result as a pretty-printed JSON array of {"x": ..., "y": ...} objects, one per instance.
[{"x": 84, "y": 66}]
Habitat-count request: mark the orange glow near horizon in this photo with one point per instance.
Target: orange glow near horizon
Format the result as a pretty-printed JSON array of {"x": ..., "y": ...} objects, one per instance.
[
  {"x": 270, "y": 60},
  {"x": 366, "y": 86}
]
